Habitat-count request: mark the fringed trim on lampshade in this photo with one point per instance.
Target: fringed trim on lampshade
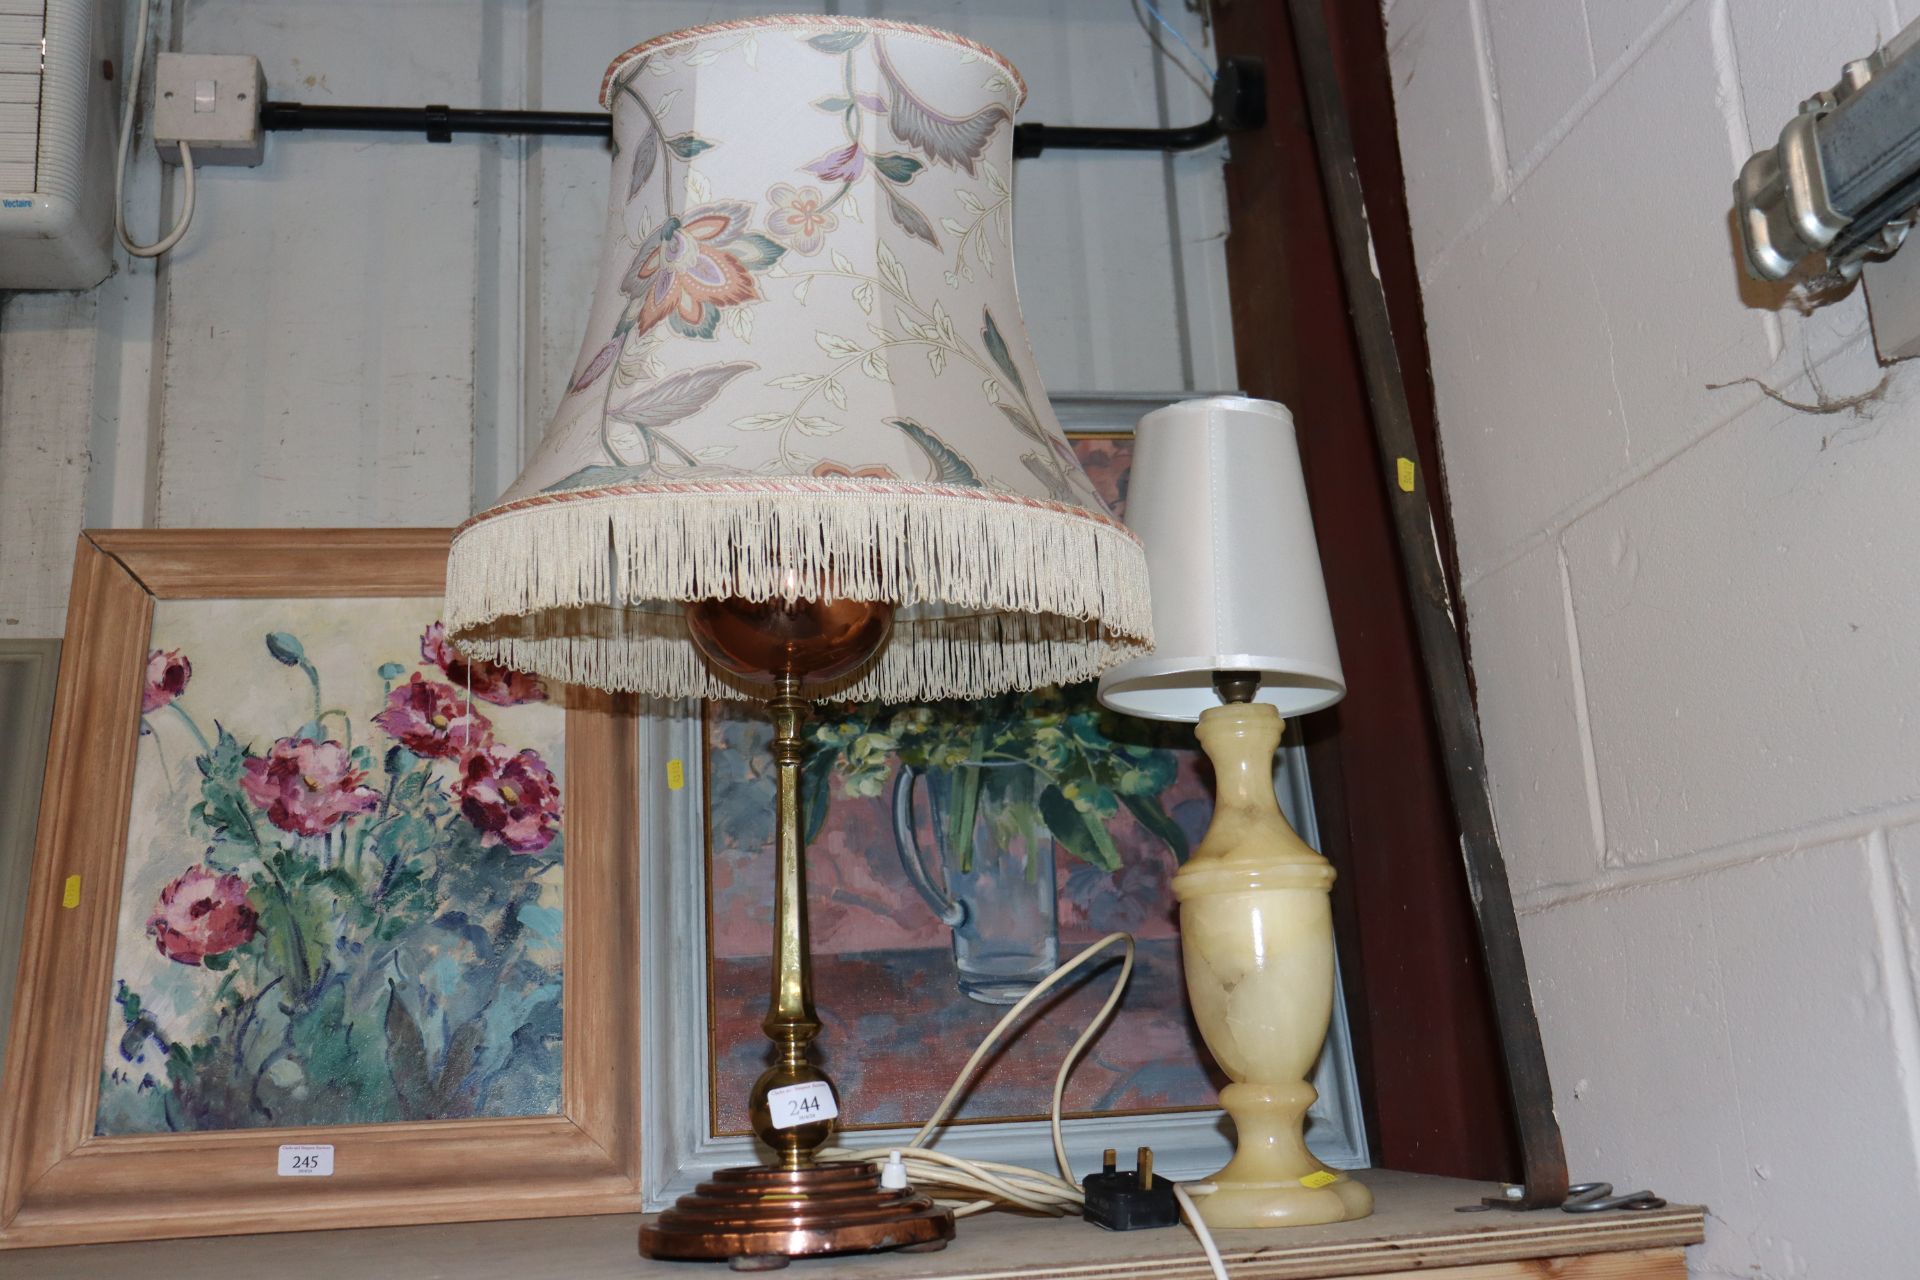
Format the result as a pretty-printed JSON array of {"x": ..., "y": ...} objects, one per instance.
[
  {"x": 996, "y": 591},
  {"x": 806, "y": 21}
]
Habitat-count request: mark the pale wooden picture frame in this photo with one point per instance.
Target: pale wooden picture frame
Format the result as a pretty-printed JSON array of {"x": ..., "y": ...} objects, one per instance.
[
  {"x": 679, "y": 1147},
  {"x": 59, "y": 1183}
]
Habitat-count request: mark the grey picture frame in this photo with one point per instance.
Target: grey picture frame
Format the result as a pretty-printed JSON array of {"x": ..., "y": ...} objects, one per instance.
[
  {"x": 28, "y": 672},
  {"x": 678, "y": 1146}
]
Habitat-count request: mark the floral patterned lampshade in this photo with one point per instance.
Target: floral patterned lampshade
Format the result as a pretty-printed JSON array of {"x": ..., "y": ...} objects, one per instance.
[{"x": 805, "y": 375}]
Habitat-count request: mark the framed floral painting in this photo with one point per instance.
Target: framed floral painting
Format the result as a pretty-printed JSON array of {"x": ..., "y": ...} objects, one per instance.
[
  {"x": 957, "y": 853},
  {"x": 327, "y": 925}
]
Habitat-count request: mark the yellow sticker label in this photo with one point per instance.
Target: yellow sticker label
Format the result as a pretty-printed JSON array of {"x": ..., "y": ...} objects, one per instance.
[
  {"x": 1322, "y": 1178},
  {"x": 676, "y": 775},
  {"x": 70, "y": 896},
  {"x": 1406, "y": 475}
]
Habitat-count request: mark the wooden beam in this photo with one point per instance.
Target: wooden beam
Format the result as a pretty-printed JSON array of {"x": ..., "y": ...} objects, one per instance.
[{"x": 1424, "y": 1028}]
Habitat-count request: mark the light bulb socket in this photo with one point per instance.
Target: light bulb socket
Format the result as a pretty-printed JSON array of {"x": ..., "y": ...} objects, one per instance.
[{"x": 1236, "y": 686}]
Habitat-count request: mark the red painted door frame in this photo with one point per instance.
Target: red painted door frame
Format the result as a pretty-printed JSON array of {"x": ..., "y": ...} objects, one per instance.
[{"x": 1423, "y": 1024}]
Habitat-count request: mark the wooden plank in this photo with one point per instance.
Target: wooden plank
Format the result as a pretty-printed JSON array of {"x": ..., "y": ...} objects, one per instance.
[
  {"x": 1414, "y": 1231},
  {"x": 1641, "y": 1264},
  {"x": 187, "y": 564},
  {"x": 1415, "y": 984},
  {"x": 602, "y": 1048}
]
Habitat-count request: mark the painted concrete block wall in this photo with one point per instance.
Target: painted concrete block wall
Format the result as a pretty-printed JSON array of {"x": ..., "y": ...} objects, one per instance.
[
  {"x": 371, "y": 330},
  {"x": 1694, "y": 610}
]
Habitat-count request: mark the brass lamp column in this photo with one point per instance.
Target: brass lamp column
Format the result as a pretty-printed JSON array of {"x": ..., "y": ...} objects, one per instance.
[
  {"x": 790, "y": 1022},
  {"x": 758, "y": 1217},
  {"x": 1245, "y": 637}
]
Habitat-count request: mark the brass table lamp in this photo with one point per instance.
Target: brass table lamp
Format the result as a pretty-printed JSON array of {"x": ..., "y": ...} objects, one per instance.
[
  {"x": 804, "y": 451},
  {"x": 1240, "y": 611}
]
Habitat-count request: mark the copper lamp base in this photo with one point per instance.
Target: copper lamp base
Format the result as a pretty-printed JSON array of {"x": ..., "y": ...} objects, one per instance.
[{"x": 758, "y": 1218}]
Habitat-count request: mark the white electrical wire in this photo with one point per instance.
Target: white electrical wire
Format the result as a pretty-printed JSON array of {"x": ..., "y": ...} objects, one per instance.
[
  {"x": 172, "y": 237},
  {"x": 1000, "y": 1183},
  {"x": 990, "y": 1184},
  {"x": 1184, "y": 1193}
]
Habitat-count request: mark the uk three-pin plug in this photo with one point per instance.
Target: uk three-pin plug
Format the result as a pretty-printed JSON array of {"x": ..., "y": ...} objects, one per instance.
[{"x": 1130, "y": 1201}]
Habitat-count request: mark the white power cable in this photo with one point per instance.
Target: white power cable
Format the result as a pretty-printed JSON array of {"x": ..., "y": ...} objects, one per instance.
[
  {"x": 1184, "y": 1193},
  {"x": 172, "y": 237},
  {"x": 990, "y": 1184},
  {"x": 1006, "y": 1183}
]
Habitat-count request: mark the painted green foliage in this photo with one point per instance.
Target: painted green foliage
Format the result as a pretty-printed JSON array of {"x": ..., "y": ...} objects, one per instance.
[{"x": 1091, "y": 764}]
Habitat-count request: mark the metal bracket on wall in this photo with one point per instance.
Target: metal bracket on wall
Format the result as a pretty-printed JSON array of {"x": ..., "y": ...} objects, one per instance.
[
  {"x": 1543, "y": 1156},
  {"x": 1844, "y": 179},
  {"x": 1239, "y": 104}
]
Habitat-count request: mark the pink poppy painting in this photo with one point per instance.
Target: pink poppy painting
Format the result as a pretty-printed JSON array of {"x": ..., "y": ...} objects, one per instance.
[
  {"x": 167, "y": 674},
  {"x": 342, "y": 896},
  {"x": 200, "y": 914},
  {"x": 512, "y": 800},
  {"x": 487, "y": 681},
  {"x": 307, "y": 787},
  {"x": 432, "y": 718}
]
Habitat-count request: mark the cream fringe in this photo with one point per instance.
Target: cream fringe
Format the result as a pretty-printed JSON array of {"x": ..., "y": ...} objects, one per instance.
[{"x": 585, "y": 590}]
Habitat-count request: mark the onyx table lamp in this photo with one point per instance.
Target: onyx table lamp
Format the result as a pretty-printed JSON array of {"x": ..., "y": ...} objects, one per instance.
[
  {"x": 805, "y": 451},
  {"x": 1245, "y": 638}
]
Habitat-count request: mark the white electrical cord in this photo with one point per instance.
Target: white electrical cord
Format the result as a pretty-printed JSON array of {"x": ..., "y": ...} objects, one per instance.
[
  {"x": 1184, "y": 1193},
  {"x": 990, "y": 1184},
  {"x": 172, "y": 237},
  {"x": 1006, "y": 1183}
]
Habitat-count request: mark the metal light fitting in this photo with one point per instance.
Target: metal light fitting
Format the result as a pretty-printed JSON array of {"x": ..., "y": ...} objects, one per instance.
[{"x": 1844, "y": 179}]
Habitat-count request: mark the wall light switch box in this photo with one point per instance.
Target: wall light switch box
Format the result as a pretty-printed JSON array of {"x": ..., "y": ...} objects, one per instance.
[{"x": 212, "y": 103}]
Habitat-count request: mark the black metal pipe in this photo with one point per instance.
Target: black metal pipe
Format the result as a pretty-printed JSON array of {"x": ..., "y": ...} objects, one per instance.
[
  {"x": 1542, "y": 1153},
  {"x": 1239, "y": 103},
  {"x": 440, "y": 123},
  {"x": 1030, "y": 140}
]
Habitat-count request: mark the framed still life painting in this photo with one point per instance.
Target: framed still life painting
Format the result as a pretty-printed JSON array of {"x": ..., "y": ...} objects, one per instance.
[
  {"x": 326, "y": 926},
  {"x": 957, "y": 854}
]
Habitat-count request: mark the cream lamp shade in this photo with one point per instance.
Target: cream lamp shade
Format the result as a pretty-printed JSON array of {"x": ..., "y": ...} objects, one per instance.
[
  {"x": 805, "y": 376},
  {"x": 1219, "y": 501}
]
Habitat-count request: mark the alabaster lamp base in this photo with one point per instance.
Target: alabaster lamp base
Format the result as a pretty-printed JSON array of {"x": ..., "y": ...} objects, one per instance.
[
  {"x": 1256, "y": 933},
  {"x": 1273, "y": 1180}
]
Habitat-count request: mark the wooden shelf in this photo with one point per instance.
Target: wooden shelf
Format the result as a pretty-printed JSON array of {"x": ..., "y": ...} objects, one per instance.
[{"x": 1415, "y": 1229}]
